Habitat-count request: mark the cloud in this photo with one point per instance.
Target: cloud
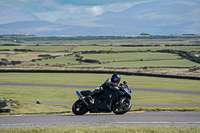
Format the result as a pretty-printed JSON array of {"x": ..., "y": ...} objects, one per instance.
[
  {"x": 51, "y": 10},
  {"x": 95, "y": 10},
  {"x": 93, "y": 2},
  {"x": 54, "y": 11},
  {"x": 190, "y": 3}
]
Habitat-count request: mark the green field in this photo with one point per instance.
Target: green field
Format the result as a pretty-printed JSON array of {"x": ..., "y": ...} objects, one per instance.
[
  {"x": 50, "y": 94},
  {"x": 110, "y": 129},
  {"x": 26, "y": 56},
  {"x": 68, "y": 60},
  {"x": 130, "y": 56},
  {"x": 144, "y": 48},
  {"x": 157, "y": 53},
  {"x": 98, "y": 79},
  {"x": 121, "y": 60},
  {"x": 49, "y": 48},
  {"x": 161, "y": 64},
  {"x": 98, "y": 48}
]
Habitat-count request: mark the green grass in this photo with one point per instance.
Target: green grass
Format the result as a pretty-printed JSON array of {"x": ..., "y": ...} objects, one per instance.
[
  {"x": 49, "y": 48},
  {"x": 164, "y": 98},
  {"x": 118, "y": 48},
  {"x": 26, "y": 56},
  {"x": 97, "y": 48},
  {"x": 20, "y": 56},
  {"x": 165, "y": 108},
  {"x": 22, "y": 107},
  {"x": 43, "y": 94},
  {"x": 158, "y": 63},
  {"x": 98, "y": 79},
  {"x": 130, "y": 56},
  {"x": 119, "y": 60},
  {"x": 68, "y": 60},
  {"x": 51, "y": 94},
  {"x": 30, "y": 108},
  {"x": 136, "y": 59},
  {"x": 10, "y": 47},
  {"x": 39, "y": 48},
  {"x": 109, "y": 129}
]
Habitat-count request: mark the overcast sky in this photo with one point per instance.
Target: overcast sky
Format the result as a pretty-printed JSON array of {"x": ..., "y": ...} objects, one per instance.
[{"x": 51, "y": 10}]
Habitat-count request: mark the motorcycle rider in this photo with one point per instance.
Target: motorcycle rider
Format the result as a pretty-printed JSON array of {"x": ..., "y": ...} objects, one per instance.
[
  {"x": 108, "y": 84},
  {"x": 107, "y": 98}
]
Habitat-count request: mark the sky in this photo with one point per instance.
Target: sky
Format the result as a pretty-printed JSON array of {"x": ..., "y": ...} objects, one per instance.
[{"x": 52, "y": 10}]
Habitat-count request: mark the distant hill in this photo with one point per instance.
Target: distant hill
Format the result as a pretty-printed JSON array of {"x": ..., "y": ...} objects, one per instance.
[
  {"x": 157, "y": 17},
  {"x": 26, "y": 24},
  {"x": 26, "y": 27},
  {"x": 8, "y": 15},
  {"x": 160, "y": 17}
]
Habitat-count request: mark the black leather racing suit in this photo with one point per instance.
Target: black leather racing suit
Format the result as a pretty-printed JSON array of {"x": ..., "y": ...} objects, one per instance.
[{"x": 105, "y": 86}]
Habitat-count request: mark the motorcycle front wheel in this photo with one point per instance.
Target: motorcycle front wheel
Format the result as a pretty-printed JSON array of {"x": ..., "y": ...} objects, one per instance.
[
  {"x": 122, "y": 106},
  {"x": 79, "y": 108}
]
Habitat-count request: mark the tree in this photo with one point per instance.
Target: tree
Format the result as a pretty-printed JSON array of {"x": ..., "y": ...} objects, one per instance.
[{"x": 144, "y": 34}]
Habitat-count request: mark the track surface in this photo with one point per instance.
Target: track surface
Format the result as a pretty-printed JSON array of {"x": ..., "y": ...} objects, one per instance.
[{"x": 129, "y": 119}]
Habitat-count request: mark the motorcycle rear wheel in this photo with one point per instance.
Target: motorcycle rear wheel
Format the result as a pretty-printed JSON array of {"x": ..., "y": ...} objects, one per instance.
[
  {"x": 79, "y": 108},
  {"x": 120, "y": 108}
]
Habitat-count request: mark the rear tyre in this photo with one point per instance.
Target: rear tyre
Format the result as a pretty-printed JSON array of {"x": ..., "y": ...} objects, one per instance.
[
  {"x": 79, "y": 108},
  {"x": 122, "y": 106}
]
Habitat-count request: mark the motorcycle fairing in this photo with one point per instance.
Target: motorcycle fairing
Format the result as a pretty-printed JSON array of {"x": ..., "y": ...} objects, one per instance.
[
  {"x": 85, "y": 93},
  {"x": 104, "y": 102}
]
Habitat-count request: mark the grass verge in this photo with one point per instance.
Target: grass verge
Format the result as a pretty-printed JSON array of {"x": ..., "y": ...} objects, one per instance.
[
  {"x": 18, "y": 107},
  {"x": 110, "y": 129},
  {"x": 162, "y": 108},
  {"x": 50, "y": 94},
  {"x": 98, "y": 79}
]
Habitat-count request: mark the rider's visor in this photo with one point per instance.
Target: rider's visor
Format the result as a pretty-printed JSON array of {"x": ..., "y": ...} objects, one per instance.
[{"x": 116, "y": 80}]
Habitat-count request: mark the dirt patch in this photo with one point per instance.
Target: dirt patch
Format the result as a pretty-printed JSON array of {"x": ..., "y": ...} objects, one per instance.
[{"x": 5, "y": 106}]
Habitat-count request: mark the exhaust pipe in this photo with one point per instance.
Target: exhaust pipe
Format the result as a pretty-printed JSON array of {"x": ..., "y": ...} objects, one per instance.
[{"x": 80, "y": 96}]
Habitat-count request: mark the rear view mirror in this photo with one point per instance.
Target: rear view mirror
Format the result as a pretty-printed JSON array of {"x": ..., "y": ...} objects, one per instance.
[{"x": 125, "y": 82}]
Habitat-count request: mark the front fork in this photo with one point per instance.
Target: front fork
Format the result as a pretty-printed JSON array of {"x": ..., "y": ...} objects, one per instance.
[{"x": 121, "y": 103}]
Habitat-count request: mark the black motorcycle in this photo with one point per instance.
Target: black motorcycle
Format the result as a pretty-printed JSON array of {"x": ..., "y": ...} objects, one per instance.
[{"x": 118, "y": 101}]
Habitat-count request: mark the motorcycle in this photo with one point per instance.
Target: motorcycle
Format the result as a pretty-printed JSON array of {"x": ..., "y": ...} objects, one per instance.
[{"x": 118, "y": 101}]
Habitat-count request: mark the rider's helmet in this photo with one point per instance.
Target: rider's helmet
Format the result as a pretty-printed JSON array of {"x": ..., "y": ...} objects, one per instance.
[{"x": 115, "y": 78}]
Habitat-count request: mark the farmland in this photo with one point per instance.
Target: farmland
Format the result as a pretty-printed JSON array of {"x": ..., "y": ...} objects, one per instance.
[{"x": 174, "y": 55}]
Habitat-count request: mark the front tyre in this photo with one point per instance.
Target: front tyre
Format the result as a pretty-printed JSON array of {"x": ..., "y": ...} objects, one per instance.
[
  {"x": 122, "y": 106},
  {"x": 79, "y": 108}
]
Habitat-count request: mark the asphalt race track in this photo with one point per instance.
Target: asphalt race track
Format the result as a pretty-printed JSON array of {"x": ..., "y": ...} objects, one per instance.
[
  {"x": 163, "y": 118},
  {"x": 166, "y": 118}
]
